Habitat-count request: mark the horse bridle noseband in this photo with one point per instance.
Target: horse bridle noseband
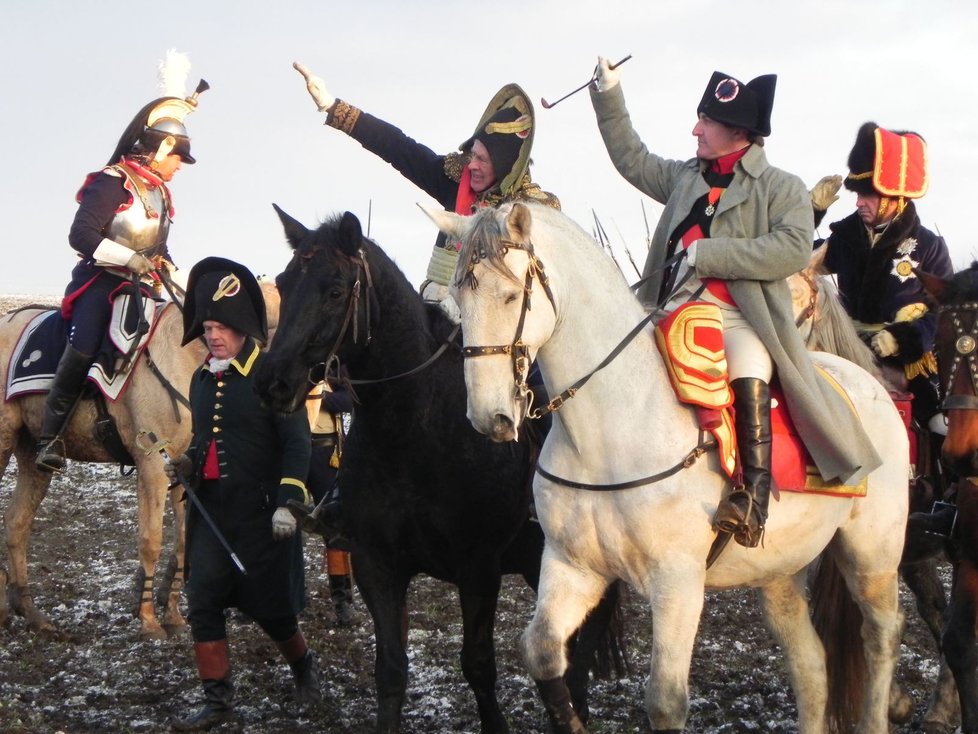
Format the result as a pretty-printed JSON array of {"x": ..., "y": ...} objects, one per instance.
[
  {"x": 965, "y": 356},
  {"x": 518, "y": 351}
]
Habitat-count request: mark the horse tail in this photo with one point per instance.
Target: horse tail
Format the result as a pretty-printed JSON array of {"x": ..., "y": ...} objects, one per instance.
[
  {"x": 611, "y": 651},
  {"x": 838, "y": 622}
]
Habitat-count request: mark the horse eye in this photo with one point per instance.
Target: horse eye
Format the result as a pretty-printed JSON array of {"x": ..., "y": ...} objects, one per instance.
[
  {"x": 335, "y": 294},
  {"x": 511, "y": 298}
]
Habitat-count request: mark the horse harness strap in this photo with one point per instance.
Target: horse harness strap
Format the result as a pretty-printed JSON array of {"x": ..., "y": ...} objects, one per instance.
[
  {"x": 705, "y": 444},
  {"x": 415, "y": 370},
  {"x": 517, "y": 350},
  {"x": 965, "y": 353}
]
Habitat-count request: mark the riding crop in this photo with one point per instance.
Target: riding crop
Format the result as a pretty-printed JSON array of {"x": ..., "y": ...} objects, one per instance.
[
  {"x": 547, "y": 105},
  {"x": 160, "y": 447}
]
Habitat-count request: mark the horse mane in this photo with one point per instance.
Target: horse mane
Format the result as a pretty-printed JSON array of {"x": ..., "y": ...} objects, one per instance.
[
  {"x": 834, "y": 332},
  {"x": 963, "y": 286},
  {"x": 484, "y": 243}
]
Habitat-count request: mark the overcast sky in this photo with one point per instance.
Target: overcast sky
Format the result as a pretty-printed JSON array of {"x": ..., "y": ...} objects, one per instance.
[{"x": 74, "y": 74}]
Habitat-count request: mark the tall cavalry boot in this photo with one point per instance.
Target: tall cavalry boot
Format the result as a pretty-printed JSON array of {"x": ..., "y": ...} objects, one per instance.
[
  {"x": 305, "y": 669},
  {"x": 214, "y": 667},
  {"x": 340, "y": 585},
  {"x": 743, "y": 512},
  {"x": 68, "y": 382}
]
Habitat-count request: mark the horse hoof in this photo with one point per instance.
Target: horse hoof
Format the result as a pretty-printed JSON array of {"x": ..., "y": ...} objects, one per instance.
[{"x": 175, "y": 630}]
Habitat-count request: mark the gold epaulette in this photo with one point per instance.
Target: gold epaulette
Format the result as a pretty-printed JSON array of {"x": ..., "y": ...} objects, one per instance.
[{"x": 454, "y": 163}]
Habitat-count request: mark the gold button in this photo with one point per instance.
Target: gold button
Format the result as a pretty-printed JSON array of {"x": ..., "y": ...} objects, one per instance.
[
  {"x": 220, "y": 383},
  {"x": 217, "y": 417},
  {"x": 216, "y": 429},
  {"x": 219, "y": 394},
  {"x": 217, "y": 406}
]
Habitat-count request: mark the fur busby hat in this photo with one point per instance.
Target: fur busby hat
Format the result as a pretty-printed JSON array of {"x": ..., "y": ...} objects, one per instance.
[
  {"x": 158, "y": 129},
  {"x": 222, "y": 290},
  {"x": 891, "y": 163},
  {"x": 506, "y": 129},
  {"x": 736, "y": 104}
]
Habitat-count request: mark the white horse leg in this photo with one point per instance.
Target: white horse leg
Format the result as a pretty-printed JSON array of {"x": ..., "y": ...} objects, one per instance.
[
  {"x": 677, "y": 604},
  {"x": 567, "y": 593},
  {"x": 151, "y": 498},
  {"x": 878, "y": 599},
  {"x": 785, "y": 608}
]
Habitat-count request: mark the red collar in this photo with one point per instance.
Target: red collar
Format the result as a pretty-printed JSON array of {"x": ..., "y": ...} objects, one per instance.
[
  {"x": 143, "y": 172},
  {"x": 726, "y": 163}
]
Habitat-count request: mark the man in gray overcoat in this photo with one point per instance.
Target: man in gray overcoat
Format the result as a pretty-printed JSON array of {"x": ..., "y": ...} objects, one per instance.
[{"x": 744, "y": 226}]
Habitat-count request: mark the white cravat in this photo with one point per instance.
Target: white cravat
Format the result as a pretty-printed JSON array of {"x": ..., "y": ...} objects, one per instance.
[{"x": 216, "y": 365}]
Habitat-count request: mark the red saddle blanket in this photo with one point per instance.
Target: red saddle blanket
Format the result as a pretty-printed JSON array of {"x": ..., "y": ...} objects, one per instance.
[{"x": 690, "y": 340}]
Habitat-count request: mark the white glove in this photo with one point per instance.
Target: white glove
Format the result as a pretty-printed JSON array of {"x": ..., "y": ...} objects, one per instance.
[
  {"x": 283, "y": 524},
  {"x": 605, "y": 77},
  {"x": 140, "y": 264},
  {"x": 826, "y": 192},
  {"x": 317, "y": 88},
  {"x": 181, "y": 464},
  {"x": 884, "y": 344}
]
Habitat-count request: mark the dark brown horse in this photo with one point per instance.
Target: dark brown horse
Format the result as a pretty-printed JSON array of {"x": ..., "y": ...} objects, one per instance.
[{"x": 957, "y": 359}]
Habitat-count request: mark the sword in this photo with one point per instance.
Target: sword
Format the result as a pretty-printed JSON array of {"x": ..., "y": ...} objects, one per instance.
[{"x": 160, "y": 447}]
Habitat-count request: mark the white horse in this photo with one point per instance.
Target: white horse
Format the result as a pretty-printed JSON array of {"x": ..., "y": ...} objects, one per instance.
[{"x": 532, "y": 284}]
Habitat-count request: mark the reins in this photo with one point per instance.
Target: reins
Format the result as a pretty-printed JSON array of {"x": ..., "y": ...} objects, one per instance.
[
  {"x": 519, "y": 353},
  {"x": 352, "y": 317}
]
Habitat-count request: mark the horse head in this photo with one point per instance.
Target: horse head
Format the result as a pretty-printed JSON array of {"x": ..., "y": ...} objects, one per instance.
[
  {"x": 325, "y": 307},
  {"x": 502, "y": 291},
  {"x": 956, "y": 350}
]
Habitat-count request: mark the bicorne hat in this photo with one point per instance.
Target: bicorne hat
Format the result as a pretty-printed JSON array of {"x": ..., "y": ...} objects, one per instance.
[
  {"x": 222, "y": 290},
  {"x": 890, "y": 163},
  {"x": 506, "y": 129},
  {"x": 736, "y": 104}
]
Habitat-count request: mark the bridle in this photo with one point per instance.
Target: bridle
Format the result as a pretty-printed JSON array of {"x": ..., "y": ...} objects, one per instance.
[
  {"x": 520, "y": 356},
  {"x": 965, "y": 354},
  {"x": 362, "y": 289},
  {"x": 517, "y": 350}
]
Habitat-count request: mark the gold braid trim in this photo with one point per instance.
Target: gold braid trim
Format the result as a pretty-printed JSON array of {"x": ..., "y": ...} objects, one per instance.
[
  {"x": 526, "y": 191},
  {"x": 343, "y": 116},
  {"x": 859, "y": 176},
  {"x": 926, "y": 365}
]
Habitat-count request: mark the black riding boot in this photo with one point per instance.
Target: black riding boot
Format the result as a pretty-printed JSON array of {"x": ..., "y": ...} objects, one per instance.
[
  {"x": 341, "y": 592},
  {"x": 305, "y": 669},
  {"x": 743, "y": 512},
  {"x": 67, "y": 386},
  {"x": 214, "y": 667}
]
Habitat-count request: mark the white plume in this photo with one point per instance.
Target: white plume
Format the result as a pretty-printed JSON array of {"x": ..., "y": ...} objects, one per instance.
[{"x": 173, "y": 72}]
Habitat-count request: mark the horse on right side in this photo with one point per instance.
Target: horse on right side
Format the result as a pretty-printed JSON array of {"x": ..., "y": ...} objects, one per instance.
[{"x": 956, "y": 349}]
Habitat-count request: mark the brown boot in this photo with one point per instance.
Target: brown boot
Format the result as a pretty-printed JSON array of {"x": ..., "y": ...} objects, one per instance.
[
  {"x": 743, "y": 512},
  {"x": 305, "y": 670},
  {"x": 69, "y": 379},
  {"x": 214, "y": 668},
  {"x": 341, "y": 592}
]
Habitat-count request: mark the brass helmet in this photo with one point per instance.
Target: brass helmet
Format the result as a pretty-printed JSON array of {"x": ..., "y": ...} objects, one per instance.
[{"x": 158, "y": 128}]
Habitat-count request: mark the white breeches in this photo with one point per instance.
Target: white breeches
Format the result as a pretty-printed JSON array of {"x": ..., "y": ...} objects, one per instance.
[{"x": 746, "y": 354}]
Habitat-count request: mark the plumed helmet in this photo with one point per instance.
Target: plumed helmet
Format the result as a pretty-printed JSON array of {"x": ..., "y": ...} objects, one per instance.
[
  {"x": 506, "y": 129},
  {"x": 736, "y": 104},
  {"x": 158, "y": 129},
  {"x": 891, "y": 163},
  {"x": 222, "y": 290}
]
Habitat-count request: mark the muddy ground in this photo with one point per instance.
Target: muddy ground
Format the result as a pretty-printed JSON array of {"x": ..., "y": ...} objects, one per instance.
[{"x": 97, "y": 676}]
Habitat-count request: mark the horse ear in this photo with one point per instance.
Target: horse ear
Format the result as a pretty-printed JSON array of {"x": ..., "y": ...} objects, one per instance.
[
  {"x": 351, "y": 234},
  {"x": 935, "y": 285},
  {"x": 450, "y": 223},
  {"x": 295, "y": 231},
  {"x": 518, "y": 223}
]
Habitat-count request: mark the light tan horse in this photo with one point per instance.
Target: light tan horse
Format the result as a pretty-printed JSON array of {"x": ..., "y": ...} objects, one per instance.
[{"x": 153, "y": 401}]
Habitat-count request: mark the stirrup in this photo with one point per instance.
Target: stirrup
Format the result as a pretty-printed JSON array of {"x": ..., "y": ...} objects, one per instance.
[
  {"x": 746, "y": 525},
  {"x": 50, "y": 458}
]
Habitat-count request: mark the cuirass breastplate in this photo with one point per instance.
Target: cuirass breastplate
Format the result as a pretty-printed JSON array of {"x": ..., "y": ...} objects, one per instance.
[{"x": 144, "y": 226}]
